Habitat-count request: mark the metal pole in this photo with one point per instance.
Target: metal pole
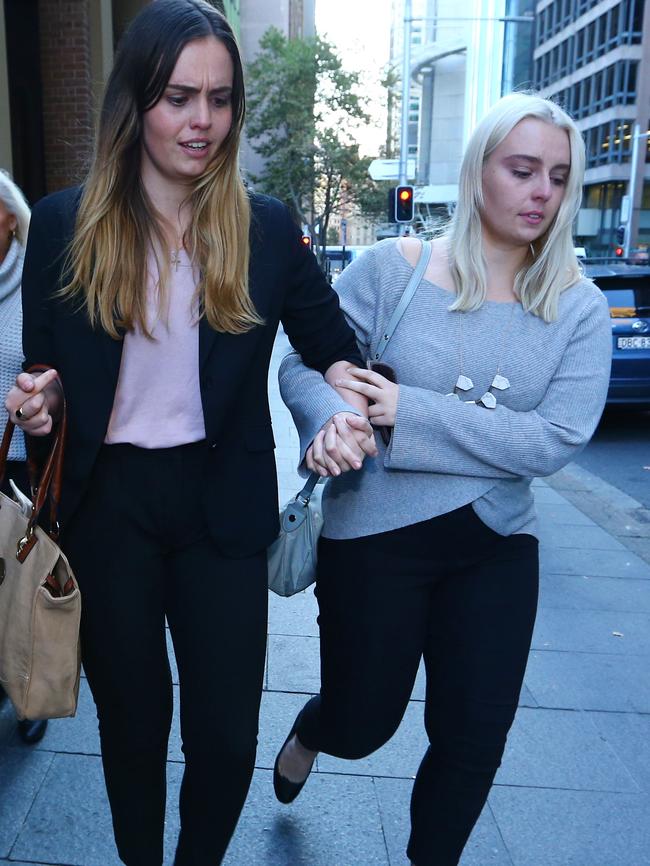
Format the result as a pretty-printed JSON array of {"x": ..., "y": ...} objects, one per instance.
[{"x": 406, "y": 90}]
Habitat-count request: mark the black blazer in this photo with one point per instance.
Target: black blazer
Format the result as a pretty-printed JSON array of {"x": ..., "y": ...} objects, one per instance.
[{"x": 285, "y": 283}]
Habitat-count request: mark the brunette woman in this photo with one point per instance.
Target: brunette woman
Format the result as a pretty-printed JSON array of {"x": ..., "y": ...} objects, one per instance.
[
  {"x": 154, "y": 292},
  {"x": 502, "y": 360}
]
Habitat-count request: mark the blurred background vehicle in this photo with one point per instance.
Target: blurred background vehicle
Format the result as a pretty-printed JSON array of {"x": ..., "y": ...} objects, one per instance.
[{"x": 627, "y": 289}]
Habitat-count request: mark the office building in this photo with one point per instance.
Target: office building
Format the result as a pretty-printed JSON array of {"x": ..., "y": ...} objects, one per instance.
[{"x": 594, "y": 58}]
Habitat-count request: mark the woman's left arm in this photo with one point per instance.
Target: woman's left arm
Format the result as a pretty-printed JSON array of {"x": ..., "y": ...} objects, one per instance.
[
  {"x": 311, "y": 315},
  {"x": 436, "y": 433}
]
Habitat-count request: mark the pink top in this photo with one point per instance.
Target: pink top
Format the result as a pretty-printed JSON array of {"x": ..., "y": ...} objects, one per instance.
[{"x": 158, "y": 401}]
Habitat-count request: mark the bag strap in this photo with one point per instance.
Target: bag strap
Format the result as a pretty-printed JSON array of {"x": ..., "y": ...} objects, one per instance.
[
  {"x": 49, "y": 484},
  {"x": 405, "y": 300},
  {"x": 304, "y": 495}
]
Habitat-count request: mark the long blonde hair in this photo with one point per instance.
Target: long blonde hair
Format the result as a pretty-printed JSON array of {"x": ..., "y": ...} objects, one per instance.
[
  {"x": 116, "y": 226},
  {"x": 551, "y": 266}
]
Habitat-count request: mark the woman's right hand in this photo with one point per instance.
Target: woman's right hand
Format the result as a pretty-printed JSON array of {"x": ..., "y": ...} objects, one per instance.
[
  {"x": 34, "y": 401},
  {"x": 342, "y": 444}
]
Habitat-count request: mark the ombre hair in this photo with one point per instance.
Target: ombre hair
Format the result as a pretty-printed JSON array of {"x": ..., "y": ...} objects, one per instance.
[
  {"x": 551, "y": 265},
  {"x": 117, "y": 225},
  {"x": 13, "y": 199}
]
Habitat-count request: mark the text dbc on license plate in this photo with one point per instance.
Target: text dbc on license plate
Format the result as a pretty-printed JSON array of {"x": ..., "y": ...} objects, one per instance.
[{"x": 633, "y": 343}]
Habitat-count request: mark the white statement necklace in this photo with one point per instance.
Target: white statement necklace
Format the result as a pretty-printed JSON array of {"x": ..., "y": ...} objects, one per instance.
[{"x": 499, "y": 382}]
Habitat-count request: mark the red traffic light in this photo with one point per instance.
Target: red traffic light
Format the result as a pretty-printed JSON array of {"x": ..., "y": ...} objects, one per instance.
[
  {"x": 618, "y": 251},
  {"x": 404, "y": 204},
  {"x": 305, "y": 240}
]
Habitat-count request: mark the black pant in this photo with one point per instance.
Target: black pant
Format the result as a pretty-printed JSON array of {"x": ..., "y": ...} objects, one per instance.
[
  {"x": 140, "y": 551},
  {"x": 449, "y": 589}
]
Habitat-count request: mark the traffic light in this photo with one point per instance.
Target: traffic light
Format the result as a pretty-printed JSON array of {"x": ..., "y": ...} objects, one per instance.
[
  {"x": 404, "y": 204},
  {"x": 618, "y": 252},
  {"x": 620, "y": 236},
  {"x": 305, "y": 240}
]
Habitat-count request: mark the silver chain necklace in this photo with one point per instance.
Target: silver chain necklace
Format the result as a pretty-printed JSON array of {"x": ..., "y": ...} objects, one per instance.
[{"x": 499, "y": 382}]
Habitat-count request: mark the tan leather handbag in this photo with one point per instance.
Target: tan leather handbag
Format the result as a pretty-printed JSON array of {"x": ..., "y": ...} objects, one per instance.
[{"x": 40, "y": 603}]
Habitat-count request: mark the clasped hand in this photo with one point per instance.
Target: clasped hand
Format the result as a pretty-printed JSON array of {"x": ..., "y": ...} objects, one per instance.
[
  {"x": 342, "y": 444},
  {"x": 382, "y": 394}
]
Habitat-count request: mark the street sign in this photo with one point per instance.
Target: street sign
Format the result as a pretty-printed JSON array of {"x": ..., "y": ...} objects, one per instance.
[
  {"x": 388, "y": 169},
  {"x": 344, "y": 231}
]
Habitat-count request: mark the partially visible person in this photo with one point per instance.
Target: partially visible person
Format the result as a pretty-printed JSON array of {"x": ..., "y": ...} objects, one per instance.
[
  {"x": 502, "y": 362},
  {"x": 14, "y": 223}
]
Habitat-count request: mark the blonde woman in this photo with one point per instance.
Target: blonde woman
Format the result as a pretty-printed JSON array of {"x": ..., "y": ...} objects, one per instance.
[
  {"x": 430, "y": 551},
  {"x": 154, "y": 293}
]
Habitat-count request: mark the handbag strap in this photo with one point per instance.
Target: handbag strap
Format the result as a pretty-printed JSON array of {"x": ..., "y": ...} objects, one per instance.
[
  {"x": 49, "y": 483},
  {"x": 405, "y": 300},
  {"x": 304, "y": 495}
]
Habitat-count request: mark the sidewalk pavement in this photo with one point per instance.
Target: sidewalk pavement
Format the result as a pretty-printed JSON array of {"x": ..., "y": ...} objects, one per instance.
[{"x": 574, "y": 787}]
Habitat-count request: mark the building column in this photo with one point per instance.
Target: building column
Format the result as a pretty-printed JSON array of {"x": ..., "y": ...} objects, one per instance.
[
  {"x": 642, "y": 117},
  {"x": 67, "y": 90}
]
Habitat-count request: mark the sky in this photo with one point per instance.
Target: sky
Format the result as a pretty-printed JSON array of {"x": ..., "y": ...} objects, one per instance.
[{"x": 360, "y": 30}]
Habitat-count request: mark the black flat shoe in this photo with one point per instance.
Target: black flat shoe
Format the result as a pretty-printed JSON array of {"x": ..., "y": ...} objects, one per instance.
[
  {"x": 31, "y": 731},
  {"x": 285, "y": 790}
]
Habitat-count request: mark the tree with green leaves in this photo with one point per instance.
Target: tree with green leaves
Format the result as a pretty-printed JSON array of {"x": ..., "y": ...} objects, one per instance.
[{"x": 303, "y": 112}]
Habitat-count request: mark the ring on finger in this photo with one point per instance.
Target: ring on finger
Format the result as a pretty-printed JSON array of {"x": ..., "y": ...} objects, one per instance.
[{"x": 19, "y": 413}]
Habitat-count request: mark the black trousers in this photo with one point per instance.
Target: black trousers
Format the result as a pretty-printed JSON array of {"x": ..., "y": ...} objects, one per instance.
[
  {"x": 449, "y": 589},
  {"x": 141, "y": 553}
]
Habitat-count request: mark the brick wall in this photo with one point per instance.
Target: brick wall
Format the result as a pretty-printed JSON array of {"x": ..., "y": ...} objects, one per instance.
[{"x": 67, "y": 95}]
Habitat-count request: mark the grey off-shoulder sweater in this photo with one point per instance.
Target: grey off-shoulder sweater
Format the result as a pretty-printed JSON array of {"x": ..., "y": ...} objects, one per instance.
[{"x": 445, "y": 453}]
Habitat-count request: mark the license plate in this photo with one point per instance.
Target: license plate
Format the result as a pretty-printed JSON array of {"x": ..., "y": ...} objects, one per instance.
[{"x": 633, "y": 342}]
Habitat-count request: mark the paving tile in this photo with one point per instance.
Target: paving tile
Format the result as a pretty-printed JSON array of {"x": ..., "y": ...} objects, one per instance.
[
  {"x": 295, "y": 615},
  {"x": 172, "y": 657},
  {"x": 70, "y": 820},
  {"x": 573, "y": 828},
  {"x": 174, "y": 752},
  {"x": 628, "y": 734},
  {"x": 420, "y": 687},
  {"x": 559, "y": 535},
  {"x": 547, "y": 496},
  {"x": 597, "y": 631},
  {"x": 562, "y": 749},
  {"x": 597, "y": 563},
  {"x": 78, "y": 735},
  {"x": 294, "y": 664},
  {"x": 277, "y": 713},
  {"x": 400, "y": 757},
  {"x": 16, "y": 863},
  {"x": 575, "y": 592},
  {"x": 334, "y": 822},
  {"x": 22, "y": 771},
  {"x": 526, "y": 698},
  {"x": 562, "y": 513},
  {"x": 484, "y": 848},
  {"x": 589, "y": 681}
]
